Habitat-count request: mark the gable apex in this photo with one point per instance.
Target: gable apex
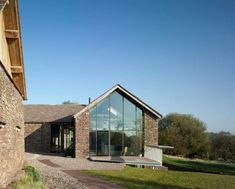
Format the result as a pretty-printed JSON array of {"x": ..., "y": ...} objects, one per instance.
[{"x": 124, "y": 91}]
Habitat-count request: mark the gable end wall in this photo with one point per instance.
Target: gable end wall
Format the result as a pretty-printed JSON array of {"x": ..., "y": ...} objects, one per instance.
[
  {"x": 82, "y": 133},
  {"x": 11, "y": 140}
]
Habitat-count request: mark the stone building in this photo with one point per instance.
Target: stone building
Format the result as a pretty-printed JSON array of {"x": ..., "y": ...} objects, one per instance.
[
  {"x": 12, "y": 93},
  {"x": 117, "y": 123},
  {"x": 45, "y": 126}
]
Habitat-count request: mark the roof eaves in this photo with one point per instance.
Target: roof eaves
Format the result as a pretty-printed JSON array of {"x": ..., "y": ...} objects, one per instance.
[
  {"x": 12, "y": 22},
  {"x": 3, "y": 3},
  {"x": 149, "y": 108}
]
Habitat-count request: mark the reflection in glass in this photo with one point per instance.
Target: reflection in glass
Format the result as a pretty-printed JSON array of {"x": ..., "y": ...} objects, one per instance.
[
  {"x": 130, "y": 140},
  {"x": 92, "y": 142},
  {"x": 115, "y": 143},
  {"x": 103, "y": 115},
  {"x": 116, "y": 127},
  {"x": 93, "y": 119},
  {"x": 129, "y": 115},
  {"x": 61, "y": 137},
  {"x": 139, "y": 119},
  {"x": 116, "y": 111},
  {"x": 102, "y": 143},
  {"x": 139, "y": 143},
  {"x": 68, "y": 136}
]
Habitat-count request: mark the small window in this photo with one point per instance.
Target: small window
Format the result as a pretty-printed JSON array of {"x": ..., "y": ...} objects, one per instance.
[
  {"x": 18, "y": 128},
  {"x": 2, "y": 125}
]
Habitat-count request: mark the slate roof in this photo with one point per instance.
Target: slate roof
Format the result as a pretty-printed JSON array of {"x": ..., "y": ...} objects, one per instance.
[{"x": 51, "y": 113}]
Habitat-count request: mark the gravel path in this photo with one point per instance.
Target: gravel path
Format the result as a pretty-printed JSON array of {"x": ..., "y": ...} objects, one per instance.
[{"x": 56, "y": 178}]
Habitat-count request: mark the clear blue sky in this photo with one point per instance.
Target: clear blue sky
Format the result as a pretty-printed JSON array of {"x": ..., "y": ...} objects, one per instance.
[{"x": 177, "y": 56}]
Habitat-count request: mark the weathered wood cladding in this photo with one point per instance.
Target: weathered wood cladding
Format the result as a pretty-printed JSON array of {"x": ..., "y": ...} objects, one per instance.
[
  {"x": 4, "y": 52},
  {"x": 11, "y": 45}
]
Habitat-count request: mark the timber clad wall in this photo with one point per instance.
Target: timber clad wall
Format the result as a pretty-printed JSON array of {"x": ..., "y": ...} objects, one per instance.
[
  {"x": 82, "y": 135},
  {"x": 37, "y": 137},
  {"x": 11, "y": 138},
  {"x": 12, "y": 58},
  {"x": 4, "y": 53},
  {"x": 150, "y": 129}
]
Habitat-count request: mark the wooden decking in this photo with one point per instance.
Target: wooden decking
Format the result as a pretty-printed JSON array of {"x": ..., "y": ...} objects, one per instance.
[{"x": 128, "y": 160}]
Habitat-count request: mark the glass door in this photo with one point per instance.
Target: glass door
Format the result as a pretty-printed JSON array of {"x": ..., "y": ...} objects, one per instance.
[
  {"x": 102, "y": 143},
  {"x": 68, "y": 137},
  {"x": 62, "y": 138},
  {"x": 56, "y": 136}
]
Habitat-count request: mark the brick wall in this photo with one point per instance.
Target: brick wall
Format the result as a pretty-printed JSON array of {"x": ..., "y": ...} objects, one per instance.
[
  {"x": 12, "y": 134},
  {"x": 82, "y": 135},
  {"x": 150, "y": 129},
  {"x": 37, "y": 137}
]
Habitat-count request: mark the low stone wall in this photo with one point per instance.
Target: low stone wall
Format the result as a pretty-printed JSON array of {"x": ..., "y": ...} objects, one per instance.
[{"x": 11, "y": 129}]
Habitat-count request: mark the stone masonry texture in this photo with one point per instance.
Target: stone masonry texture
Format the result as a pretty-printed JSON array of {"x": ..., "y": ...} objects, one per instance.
[
  {"x": 11, "y": 129},
  {"x": 46, "y": 137},
  {"x": 150, "y": 129},
  {"x": 82, "y": 135},
  {"x": 37, "y": 137}
]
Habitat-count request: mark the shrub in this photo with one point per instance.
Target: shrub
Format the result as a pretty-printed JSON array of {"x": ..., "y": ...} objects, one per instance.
[
  {"x": 32, "y": 172},
  {"x": 69, "y": 152},
  {"x": 31, "y": 180}
]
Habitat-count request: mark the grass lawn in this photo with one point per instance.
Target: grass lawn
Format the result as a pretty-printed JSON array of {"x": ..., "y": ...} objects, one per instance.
[
  {"x": 198, "y": 165},
  {"x": 137, "y": 178}
]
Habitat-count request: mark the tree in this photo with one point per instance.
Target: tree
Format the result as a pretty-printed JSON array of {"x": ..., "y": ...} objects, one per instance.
[
  {"x": 69, "y": 102},
  {"x": 222, "y": 146},
  {"x": 186, "y": 133}
]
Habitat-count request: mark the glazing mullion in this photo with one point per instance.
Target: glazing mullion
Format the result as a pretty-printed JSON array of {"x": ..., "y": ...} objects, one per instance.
[
  {"x": 123, "y": 142},
  {"x": 136, "y": 139},
  {"x": 96, "y": 130},
  {"x": 109, "y": 128}
]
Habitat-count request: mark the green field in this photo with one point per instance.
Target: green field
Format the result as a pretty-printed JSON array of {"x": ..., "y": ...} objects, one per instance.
[
  {"x": 199, "y": 165},
  {"x": 137, "y": 178}
]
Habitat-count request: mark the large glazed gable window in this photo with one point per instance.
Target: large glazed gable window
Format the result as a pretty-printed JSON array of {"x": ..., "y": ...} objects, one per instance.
[
  {"x": 129, "y": 115},
  {"x": 102, "y": 115},
  {"x": 116, "y": 111},
  {"x": 93, "y": 119},
  {"x": 139, "y": 119},
  {"x": 116, "y": 127}
]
